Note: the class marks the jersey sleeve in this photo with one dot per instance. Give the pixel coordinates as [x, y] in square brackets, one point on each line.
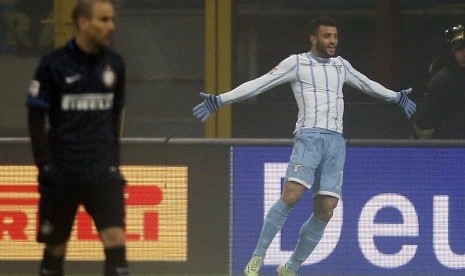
[41, 87]
[284, 72]
[358, 80]
[39, 137]
[38, 102]
[120, 88]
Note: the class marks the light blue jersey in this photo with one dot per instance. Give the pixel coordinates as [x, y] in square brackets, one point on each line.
[317, 86]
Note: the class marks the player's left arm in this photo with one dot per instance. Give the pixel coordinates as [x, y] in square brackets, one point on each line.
[358, 80]
[117, 113]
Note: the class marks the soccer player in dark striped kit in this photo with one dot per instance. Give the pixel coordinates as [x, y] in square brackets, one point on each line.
[79, 88]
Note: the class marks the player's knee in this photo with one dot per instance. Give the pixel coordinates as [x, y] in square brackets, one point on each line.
[112, 237]
[292, 193]
[324, 206]
[324, 212]
[56, 249]
[290, 199]
[324, 215]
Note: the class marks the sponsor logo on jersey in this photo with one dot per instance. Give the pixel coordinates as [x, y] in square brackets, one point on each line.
[338, 67]
[87, 102]
[310, 63]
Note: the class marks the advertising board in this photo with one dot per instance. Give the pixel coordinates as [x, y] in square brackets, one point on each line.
[156, 216]
[401, 212]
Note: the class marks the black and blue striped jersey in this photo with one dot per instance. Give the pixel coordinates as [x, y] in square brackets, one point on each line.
[82, 95]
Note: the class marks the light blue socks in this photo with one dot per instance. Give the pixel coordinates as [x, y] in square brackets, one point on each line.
[309, 236]
[273, 223]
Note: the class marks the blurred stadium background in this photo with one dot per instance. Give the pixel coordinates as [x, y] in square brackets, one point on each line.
[176, 48]
[164, 43]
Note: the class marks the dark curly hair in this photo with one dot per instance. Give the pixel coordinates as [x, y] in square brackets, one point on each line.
[321, 21]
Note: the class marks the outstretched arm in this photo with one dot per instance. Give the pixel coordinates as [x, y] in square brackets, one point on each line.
[372, 88]
[405, 103]
[284, 72]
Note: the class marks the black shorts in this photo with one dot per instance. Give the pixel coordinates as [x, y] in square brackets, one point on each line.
[60, 196]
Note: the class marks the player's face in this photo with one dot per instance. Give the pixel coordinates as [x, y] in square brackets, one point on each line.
[99, 28]
[325, 41]
[460, 57]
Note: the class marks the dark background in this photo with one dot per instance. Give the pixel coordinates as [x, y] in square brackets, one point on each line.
[162, 41]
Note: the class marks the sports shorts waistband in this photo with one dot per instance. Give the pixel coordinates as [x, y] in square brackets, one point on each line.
[317, 130]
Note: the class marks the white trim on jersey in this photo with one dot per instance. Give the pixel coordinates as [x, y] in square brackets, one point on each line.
[317, 86]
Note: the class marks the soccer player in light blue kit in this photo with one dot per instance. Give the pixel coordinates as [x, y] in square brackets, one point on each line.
[318, 155]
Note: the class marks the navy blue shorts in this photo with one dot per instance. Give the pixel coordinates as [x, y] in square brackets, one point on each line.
[60, 196]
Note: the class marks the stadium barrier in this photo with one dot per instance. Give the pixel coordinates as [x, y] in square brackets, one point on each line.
[196, 206]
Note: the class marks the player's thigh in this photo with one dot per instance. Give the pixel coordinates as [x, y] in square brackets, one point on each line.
[56, 216]
[103, 199]
[305, 158]
[332, 166]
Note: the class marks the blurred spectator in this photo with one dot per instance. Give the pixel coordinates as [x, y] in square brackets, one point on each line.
[442, 114]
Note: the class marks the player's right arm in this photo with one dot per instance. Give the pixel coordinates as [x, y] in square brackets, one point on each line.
[38, 103]
[39, 137]
[284, 72]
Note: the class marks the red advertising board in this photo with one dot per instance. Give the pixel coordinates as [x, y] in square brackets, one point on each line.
[156, 216]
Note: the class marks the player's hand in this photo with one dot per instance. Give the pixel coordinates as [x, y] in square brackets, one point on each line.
[210, 104]
[44, 175]
[407, 105]
[115, 176]
[49, 179]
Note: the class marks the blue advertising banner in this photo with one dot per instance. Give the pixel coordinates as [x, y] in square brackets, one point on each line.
[401, 213]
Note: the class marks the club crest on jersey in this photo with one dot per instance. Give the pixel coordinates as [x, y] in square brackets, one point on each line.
[297, 167]
[34, 88]
[338, 67]
[109, 77]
